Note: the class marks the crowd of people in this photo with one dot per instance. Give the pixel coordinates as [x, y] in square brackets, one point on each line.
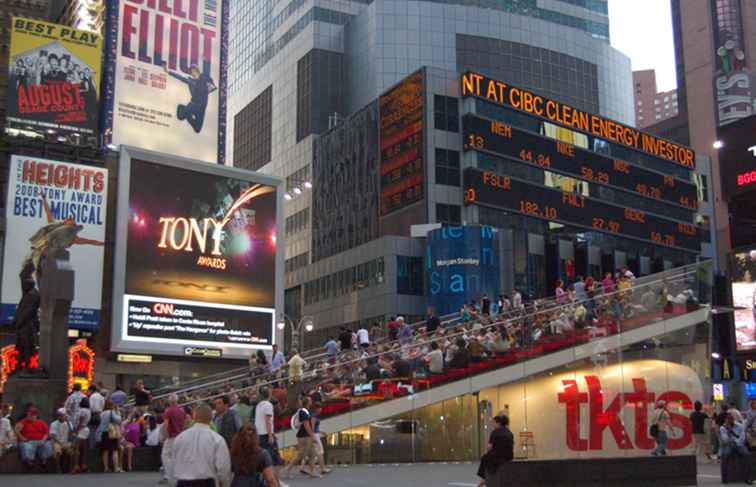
[232, 423]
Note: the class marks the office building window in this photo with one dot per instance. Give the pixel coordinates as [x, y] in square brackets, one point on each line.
[448, 214]
[447, 167]
[253, 132]
[409, 275]
[446, 113]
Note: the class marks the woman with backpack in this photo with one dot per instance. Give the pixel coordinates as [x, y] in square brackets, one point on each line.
[251, 465]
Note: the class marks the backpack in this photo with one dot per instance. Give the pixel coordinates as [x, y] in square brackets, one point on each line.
[295, 423]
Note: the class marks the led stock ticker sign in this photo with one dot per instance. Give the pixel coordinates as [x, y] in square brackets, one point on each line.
[501, 139]
[487, 188]
[500, 93]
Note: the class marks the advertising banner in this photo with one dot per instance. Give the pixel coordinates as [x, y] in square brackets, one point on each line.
[54, 78]
[200, 262]
[168, 76]
[462, 265]
[744, 299]
[55, 205]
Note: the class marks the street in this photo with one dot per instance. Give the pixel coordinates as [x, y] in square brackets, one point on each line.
[402, 475]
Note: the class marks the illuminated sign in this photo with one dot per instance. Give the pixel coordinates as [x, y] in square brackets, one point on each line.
[81, 362]
[203, 352]
[718, 392]
[737, 157]
[139, 359]
[401, 145]
[501, 139]
[474, 84]
[487, 188]
[743, 286]
[196, 260]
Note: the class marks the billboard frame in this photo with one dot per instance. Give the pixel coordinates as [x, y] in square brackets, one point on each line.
[172, 347]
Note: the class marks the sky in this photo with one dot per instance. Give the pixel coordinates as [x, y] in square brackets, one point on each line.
[642, 30]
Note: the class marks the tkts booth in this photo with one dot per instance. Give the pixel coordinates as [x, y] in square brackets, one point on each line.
[81, 361]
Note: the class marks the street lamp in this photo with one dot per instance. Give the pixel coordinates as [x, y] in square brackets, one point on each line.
[306, 323]
[718, 144]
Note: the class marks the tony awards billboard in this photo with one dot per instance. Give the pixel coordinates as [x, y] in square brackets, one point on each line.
[196, 258]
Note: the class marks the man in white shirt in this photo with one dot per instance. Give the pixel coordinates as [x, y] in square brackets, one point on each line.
[96, 400]
[435, 359]
[72, 402]
[296, 366]
[60, 436]
[264, 414]
[363, 337]
[200, 455]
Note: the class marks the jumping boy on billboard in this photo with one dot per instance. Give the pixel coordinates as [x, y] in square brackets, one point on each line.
[200, 86]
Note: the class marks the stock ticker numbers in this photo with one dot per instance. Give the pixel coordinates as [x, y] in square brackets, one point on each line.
[501, 139]
[504, 192]
[401, 144]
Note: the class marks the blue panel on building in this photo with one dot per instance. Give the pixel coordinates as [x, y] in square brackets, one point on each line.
[461, 264]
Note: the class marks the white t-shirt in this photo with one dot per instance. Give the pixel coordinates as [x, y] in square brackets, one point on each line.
[262, 411]
[363, 336]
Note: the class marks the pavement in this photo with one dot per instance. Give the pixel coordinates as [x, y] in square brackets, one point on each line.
[392, 475]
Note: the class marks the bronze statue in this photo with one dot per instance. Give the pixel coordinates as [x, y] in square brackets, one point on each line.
[26, 322]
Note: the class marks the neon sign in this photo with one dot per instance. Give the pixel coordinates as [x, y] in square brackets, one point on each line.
[81, 360]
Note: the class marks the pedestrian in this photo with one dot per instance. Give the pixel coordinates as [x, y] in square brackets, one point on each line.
[393, 328]
[318, 451]
[732, 446]
[251, 464]
[302, 423]
[33, 436]
[60, 438]
[243, 408]
[82, 432]
[405, 331]
[96, 403]
[142, 397]
[485, 305]
[432, 323]
[264, 426]
[200, 456]
[345, 339]
[118, 397]
[227, 422]
[376, 333]
[174, 420]
[331, 348]
[72, 402]
[561, 294]
[698, 420]
[109, 436]
[262, 362]
[733, 409]
[500, 449]
[277, 360]
[7, 436]
[296, 366]
[661, 421]
[363, 337]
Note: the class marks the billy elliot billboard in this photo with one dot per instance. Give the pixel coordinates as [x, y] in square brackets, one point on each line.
[52, 206]
[196, 259]
[167, 75]
[53, 78]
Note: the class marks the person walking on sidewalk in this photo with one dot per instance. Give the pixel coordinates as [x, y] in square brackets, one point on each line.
[200, 456]
[661, 421]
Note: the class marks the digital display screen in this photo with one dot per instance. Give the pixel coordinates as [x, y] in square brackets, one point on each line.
[401, 144]
[500, 191]
[502, 139]
[743, 272]
[200, 261]
[504, 94]
[737, 157]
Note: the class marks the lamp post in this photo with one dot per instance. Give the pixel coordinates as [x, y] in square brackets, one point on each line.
[297, 336]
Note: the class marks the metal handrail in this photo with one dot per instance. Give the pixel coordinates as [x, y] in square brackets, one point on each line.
[672, 274]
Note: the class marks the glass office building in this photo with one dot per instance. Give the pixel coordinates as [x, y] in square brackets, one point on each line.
[305, 81]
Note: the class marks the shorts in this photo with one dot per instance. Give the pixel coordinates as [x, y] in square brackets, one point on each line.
[272, 450]
[107, 444]
[318, 447]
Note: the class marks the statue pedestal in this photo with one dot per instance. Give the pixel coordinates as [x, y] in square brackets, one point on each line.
[46, 394]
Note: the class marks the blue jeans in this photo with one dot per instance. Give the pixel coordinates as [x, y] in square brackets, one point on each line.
[734, 453]
[31, 450]
[661, 444]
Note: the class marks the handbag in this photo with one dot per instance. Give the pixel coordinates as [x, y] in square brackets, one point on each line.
[114, 431]
[654, 430]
